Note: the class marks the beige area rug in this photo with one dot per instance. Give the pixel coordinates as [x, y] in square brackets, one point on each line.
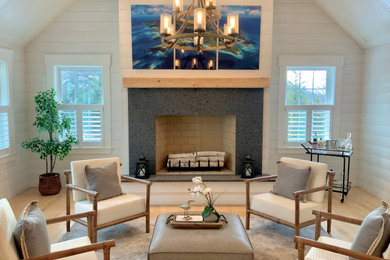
[270, 240]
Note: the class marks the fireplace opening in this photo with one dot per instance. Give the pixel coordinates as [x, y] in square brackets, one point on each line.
[189, 134]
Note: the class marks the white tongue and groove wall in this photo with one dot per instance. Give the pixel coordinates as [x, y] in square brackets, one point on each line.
[299, 27]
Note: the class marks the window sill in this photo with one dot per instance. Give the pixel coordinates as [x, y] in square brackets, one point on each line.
[291, 150]
[77, 151]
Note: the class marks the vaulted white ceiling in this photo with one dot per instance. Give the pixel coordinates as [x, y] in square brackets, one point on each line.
[367, 21]
[22, 20]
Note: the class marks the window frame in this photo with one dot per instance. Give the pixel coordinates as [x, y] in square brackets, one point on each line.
[301, 62]
[7, 57]
[53, 63]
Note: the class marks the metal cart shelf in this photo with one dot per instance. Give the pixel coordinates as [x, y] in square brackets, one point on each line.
[345, 185]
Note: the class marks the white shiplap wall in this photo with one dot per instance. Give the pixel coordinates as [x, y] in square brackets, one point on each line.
[13, 168]
[302, 28]
[86, 27]
[375, 127]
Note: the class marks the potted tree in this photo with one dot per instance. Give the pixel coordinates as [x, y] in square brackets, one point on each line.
[54, 140]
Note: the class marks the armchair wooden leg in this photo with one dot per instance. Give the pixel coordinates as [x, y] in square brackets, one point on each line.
[147, 223]
[301, 248]
[247, 218]
[67, 209]
[330, 197]
[297, 232]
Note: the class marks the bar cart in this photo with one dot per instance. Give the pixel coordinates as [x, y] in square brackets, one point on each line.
[344, 186]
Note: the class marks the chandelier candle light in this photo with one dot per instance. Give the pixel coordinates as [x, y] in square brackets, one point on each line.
[205, 21]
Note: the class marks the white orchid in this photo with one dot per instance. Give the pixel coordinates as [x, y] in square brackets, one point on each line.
[205, 191]
[202, 189]
[197, 180]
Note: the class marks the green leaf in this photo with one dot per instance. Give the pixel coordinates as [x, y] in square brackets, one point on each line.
[207, 211]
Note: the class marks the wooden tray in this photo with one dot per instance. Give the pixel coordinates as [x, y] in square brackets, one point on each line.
[193, 224]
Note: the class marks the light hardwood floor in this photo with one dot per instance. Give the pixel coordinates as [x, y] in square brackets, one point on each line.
[357, 204]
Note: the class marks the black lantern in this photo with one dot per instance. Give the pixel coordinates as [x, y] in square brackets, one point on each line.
[142, 169]
[248, 170]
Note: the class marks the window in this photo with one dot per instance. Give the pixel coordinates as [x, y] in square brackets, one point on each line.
[308, 95]
[309, 103]
[82, 87]
[5, 110]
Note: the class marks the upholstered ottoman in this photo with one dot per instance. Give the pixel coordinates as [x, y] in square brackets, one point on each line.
[231, 242]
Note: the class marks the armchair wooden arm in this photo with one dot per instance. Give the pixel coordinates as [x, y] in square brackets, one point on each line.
[262, 178]
[320, 215]
[302, 242]
[127, 178]
[303, 192]
[88, 214]
[89, 192]
[323, 214]
[106, 246]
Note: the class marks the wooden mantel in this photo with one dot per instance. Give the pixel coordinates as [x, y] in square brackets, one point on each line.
[144, 82]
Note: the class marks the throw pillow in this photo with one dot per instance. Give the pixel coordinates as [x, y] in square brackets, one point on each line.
[291, 179]
[103, 180]
[373, 235]
[31, 236]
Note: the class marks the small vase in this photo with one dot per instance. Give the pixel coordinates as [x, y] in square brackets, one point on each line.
[212, 215]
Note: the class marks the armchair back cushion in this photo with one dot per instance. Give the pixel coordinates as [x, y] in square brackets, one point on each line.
[104, 180]
[318, 175]
[290, 180]
[31, 233]
[7, 226]
[373, 235]
[78, 171]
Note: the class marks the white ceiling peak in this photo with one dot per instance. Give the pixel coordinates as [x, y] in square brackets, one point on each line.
[22, 20]
[367, 21]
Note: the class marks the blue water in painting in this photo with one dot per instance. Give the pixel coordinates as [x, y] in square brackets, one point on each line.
[149, 54]
[144, 38]
[249, 50]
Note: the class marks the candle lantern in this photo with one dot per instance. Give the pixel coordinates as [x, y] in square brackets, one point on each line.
[232, 21]
[199, 20]
[197, 40]
[165, 24]
[142, 168]
[211, 65]
[248, 169]
[177, 6]
[227, 31]
[177, 64]
[194, 63]
[210, 4]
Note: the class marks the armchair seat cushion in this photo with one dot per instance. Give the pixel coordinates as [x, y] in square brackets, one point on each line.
[77, 242]
[318, 254]
[282, 207]
[113, 208]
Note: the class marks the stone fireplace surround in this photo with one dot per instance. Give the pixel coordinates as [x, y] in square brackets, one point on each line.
[145, 104]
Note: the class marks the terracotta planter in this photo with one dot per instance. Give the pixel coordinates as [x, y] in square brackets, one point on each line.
[49, 184]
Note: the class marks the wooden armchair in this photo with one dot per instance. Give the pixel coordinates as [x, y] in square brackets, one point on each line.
[110, 211]
[79, 248]
[292, 213]
[326, 247]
